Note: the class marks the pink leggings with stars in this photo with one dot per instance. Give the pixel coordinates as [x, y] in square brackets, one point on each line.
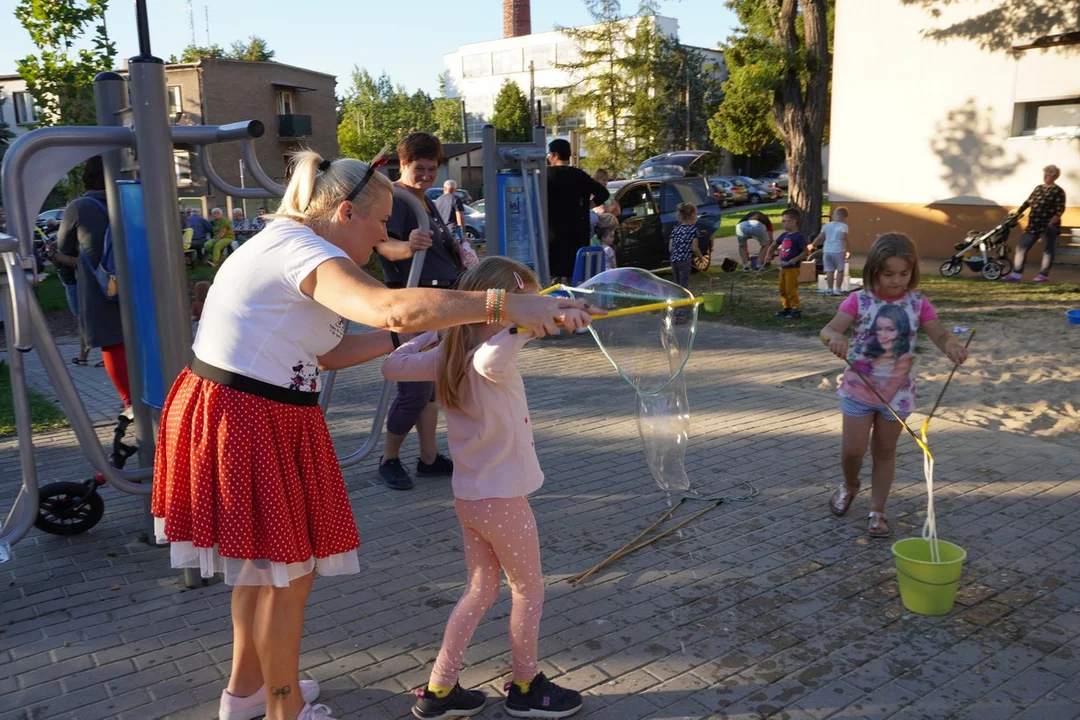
[500, 533]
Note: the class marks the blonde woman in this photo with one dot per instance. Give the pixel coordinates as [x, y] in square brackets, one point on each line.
[246, 481]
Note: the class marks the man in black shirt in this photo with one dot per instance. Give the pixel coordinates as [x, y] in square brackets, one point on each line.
[571, 194]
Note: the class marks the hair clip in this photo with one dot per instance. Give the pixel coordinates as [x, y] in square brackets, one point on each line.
[325, 165]
[521, 285]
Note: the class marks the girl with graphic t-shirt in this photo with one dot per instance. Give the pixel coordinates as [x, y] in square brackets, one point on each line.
[495, 469]
[885, 318]
[246, 480]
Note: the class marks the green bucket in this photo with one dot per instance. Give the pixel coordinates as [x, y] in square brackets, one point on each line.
[927, 587]
[713, 302]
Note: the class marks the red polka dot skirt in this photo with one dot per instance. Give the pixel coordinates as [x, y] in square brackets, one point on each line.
[249, 487]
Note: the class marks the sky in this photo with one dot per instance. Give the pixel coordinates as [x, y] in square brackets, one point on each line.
[373, 34]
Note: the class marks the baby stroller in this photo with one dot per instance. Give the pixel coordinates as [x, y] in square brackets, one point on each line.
[984, 252]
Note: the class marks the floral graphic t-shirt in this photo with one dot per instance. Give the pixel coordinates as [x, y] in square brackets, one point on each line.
[883, 347]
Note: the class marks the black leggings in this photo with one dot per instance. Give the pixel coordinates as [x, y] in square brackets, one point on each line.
[1049, 236]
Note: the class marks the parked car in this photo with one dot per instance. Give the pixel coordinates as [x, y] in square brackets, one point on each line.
[474, 223]
[724, 192]
[777, 191]
[780, 177]
[678, 163]
[755, 191]
[434, 193]
[56, 214]
[647, 216]
[738, 194]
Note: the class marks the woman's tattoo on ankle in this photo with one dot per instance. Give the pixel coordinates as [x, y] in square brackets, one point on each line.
[281, 692]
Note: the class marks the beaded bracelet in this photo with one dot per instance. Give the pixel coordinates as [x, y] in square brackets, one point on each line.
[493, 305]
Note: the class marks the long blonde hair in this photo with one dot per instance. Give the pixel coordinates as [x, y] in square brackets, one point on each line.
[313, 195]
[490, 273]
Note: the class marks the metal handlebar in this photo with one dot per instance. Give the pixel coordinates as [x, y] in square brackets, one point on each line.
[247, 147]
[20, 297]
[216, 180]
[372, 440]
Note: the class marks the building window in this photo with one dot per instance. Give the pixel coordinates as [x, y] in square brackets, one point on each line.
[506, 61]
[1051, 117]
[476, 65]
[176, 105]
[567, 53]
[182, 163]
[284, 102]
[541, 56]
[25, 112]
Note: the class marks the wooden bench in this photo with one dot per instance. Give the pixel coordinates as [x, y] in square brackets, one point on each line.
[1068, 246]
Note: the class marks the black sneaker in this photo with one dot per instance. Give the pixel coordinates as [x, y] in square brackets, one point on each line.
[459, 703]
[441, 467]
[783, 313]
[545, 699]
[794, 315]
[393, 473]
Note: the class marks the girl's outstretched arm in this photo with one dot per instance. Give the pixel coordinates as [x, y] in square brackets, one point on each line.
[410, 364]
[945, 340]
[834, 335]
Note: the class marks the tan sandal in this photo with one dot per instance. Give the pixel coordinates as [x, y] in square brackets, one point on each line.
[878, 525]
[841, 500]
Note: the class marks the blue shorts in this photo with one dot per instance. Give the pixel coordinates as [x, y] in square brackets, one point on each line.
[856, 408]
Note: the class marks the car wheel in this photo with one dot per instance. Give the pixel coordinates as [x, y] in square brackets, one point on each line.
[755, 199]
[471, 235]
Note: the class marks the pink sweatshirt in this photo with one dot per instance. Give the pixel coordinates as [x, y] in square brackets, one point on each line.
[491, 438]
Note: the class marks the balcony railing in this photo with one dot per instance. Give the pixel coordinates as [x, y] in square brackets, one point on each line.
[294, 126]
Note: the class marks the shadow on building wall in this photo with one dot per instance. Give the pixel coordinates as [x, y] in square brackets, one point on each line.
[1002, 26]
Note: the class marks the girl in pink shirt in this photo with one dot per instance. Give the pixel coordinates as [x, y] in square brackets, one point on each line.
[495, 468]
[885, 318]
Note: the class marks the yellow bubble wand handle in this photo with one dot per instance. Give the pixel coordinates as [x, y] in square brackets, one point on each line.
[648, 307]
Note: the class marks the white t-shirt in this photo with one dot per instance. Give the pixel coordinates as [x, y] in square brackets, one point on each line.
[834, 237]
[257, 323]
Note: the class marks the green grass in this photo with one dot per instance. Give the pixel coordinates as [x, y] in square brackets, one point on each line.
[43, 414]
[50, 293]
[731, 218]
[751, 300]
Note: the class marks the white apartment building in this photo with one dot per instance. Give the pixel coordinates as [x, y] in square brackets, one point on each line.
[18, 107]
[476, 72]
[942, 124]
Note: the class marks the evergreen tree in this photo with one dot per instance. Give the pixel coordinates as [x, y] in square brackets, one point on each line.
[194, 53]
[254, 50]
[511, 118]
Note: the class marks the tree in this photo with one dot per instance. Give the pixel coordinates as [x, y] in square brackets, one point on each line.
[375, 112]
[511, 118]
[598, 87]
[744, 123]
[783, 49]
[194, 53]
[447, 114]
[254, 50]
[62, 83]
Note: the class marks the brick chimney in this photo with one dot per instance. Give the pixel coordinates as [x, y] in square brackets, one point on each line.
[516, 18]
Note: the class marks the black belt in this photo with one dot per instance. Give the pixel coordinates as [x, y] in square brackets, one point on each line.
[441, 284]
[252, 386]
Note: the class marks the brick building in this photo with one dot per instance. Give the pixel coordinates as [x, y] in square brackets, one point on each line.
[297, 106]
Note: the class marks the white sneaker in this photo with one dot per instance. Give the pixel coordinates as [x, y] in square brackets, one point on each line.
[315, 712]
[254, 706]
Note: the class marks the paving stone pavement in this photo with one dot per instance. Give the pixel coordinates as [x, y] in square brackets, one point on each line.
[767, 609]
